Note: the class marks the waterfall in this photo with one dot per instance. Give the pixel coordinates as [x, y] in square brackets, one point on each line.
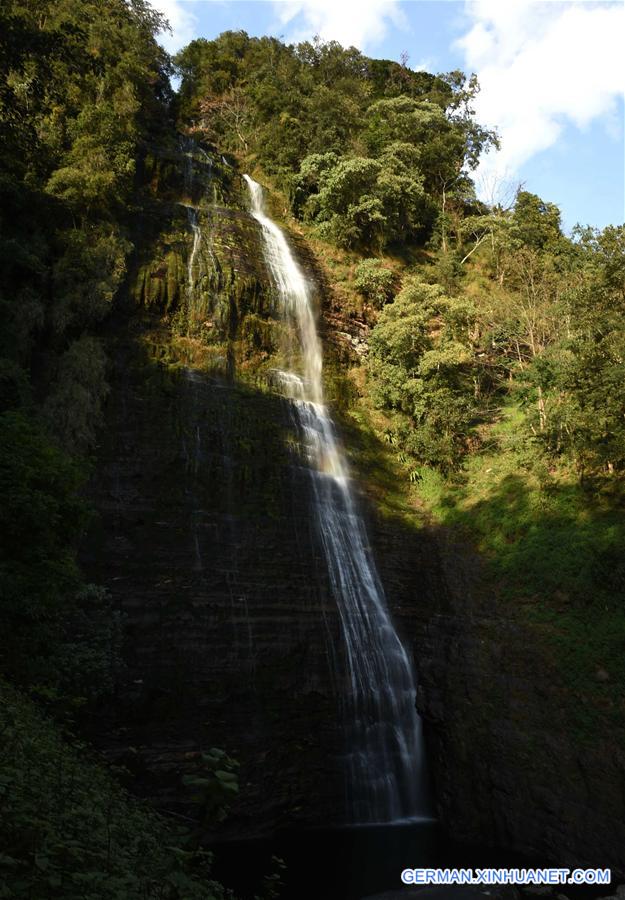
[194, 272]
[193, 448]
[385, 748]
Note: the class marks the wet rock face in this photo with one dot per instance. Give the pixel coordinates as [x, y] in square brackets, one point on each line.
[204, 535]
[511, 762]
[204, 540]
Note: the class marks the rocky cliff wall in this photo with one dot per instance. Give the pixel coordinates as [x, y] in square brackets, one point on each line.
[518, 759]
[205, 540]
[203, 532]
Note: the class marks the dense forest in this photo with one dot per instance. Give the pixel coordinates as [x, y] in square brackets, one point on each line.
[496, 343]
[376, 158]
[84, 89]
[492, 378]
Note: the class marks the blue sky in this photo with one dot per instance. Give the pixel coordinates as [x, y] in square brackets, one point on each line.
[552, 76]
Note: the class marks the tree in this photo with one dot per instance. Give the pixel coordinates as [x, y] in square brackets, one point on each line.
[363, 202]
[227, 113]
[41, 517]
[374, 281]
[591, 423]
[421, 366]
[537, 223]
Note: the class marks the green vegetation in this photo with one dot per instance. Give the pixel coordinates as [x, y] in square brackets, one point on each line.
[499, 393]
[41, 518]
[363, 202]
[70, 831]
[536, 320]
[497, 342]
[493, 379]
[421, 367]
[84, 93]
[375, 157]
[83, 89]
[374, 281]
[367, 150]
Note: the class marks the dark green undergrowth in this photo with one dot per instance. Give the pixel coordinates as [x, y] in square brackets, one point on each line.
[589, 646]
[551, 548]
[544, 533]
[70, 831]
[553, 556]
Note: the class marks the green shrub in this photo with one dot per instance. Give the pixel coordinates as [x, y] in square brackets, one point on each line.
[374, 281]
[41, 518]
[69, 831]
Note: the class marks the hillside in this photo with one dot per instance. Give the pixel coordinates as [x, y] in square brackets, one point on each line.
[166, 594]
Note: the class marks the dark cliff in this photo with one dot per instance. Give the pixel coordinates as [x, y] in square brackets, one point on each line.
[204, 539]
[512, 757]
[203, 533]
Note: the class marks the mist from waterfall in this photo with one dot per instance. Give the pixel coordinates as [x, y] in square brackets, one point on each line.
[384, 761]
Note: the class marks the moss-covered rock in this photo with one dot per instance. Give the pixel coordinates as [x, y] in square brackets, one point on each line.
[203, 274]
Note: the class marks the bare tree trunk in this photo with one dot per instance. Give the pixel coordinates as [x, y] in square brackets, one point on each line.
[542, 417]
[476, 245]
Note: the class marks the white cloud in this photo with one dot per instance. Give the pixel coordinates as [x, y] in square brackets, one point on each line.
[182, 20]
[351, 22]
[427, 64]
[541, 66]
[359, 23]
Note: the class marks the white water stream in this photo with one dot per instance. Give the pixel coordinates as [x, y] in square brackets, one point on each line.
[385, 747]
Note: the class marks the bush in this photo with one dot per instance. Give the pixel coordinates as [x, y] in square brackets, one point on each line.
[374, 281]
[41, 518]
[70, 831]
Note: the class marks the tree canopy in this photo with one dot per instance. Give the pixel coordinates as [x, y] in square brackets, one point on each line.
[364, 148]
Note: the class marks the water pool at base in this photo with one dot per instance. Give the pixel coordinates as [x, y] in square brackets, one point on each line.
[347, 863]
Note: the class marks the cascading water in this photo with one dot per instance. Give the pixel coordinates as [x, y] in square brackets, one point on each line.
[193, 448]
[385, 756]
[194, 272]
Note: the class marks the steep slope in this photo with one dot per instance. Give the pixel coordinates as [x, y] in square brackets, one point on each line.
[205, 540]
[204, 533]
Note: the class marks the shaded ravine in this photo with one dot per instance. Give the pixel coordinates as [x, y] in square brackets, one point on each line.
[384, 758]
